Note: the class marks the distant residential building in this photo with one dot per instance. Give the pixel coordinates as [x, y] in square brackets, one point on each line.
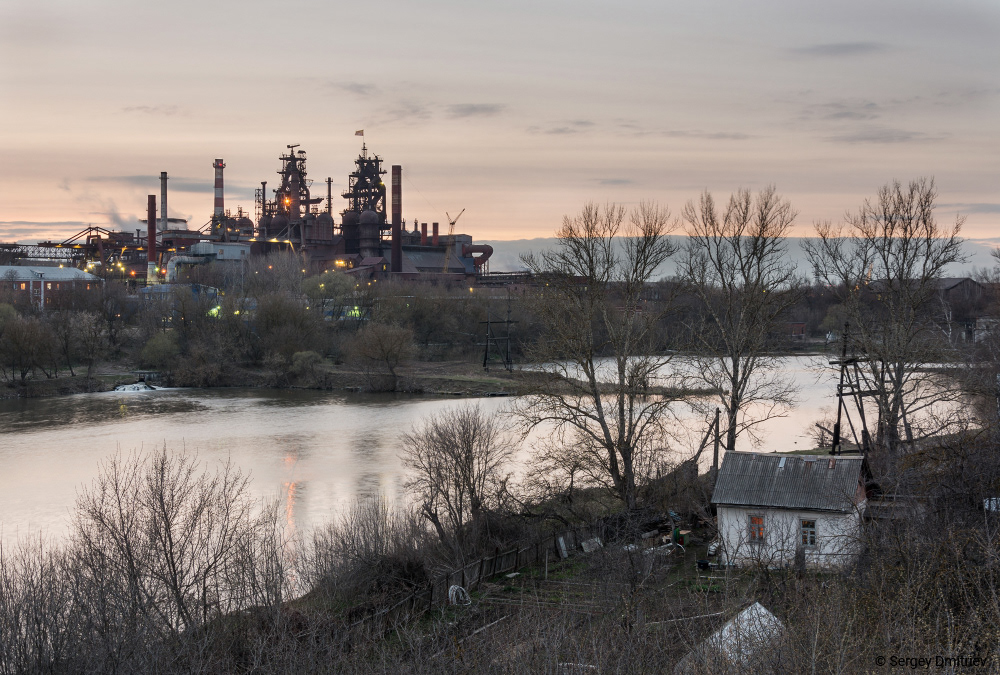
[777, 510]
[46, 287]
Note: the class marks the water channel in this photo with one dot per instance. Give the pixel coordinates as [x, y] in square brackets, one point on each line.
[314, 451]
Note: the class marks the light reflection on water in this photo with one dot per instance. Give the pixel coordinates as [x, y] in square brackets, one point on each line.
[311, 451]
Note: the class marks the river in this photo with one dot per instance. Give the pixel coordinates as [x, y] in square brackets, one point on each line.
[313, 451]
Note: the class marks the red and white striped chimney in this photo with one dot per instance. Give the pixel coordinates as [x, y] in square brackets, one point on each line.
[219, 201]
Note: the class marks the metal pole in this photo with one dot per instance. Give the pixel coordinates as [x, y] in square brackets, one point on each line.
[715, 452]
[835, 447]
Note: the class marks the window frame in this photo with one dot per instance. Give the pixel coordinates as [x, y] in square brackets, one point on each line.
[757, 531]
[806, 533]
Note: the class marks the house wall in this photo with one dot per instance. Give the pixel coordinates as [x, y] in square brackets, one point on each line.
[837, 536]
[46, 294]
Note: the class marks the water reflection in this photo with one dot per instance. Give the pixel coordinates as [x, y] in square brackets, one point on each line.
[310, 451]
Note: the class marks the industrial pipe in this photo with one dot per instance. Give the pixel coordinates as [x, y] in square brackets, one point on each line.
[219, 202]
[183, 260]
[485, 249]
[151, 240]
[397, 218]
[163, 201]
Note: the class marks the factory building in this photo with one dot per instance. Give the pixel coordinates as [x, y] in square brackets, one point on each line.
[371, 239]
[44, 287]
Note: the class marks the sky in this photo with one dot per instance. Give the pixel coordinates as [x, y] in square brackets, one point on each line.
[518, 112]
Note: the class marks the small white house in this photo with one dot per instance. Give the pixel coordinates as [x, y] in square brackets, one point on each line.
[779, 510]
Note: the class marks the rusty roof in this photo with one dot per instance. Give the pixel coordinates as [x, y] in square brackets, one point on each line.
[816, 483]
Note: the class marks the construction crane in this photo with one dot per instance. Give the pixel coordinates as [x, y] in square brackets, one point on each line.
[451, 238]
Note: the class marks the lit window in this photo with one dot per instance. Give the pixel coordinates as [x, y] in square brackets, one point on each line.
[756, 529]
[24, 286]
[808, 530]
[48, 286]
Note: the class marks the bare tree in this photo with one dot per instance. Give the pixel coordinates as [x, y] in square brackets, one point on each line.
[176, 545]
[89, 328]
[458, 462]
[380, 348]
[594, 305]
[736, 265]
[885, 262]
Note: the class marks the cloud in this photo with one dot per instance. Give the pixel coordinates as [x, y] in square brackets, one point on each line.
[980, 207]
[459, 110]
[724, 136]
[28, 229]
[882, 135]
[175, 184]
[136, 180]
[616, 181]
[167, 110]
[407, 111]
[844, 110]
[708, 135]
[564, 127]
[357, 88]
[838, 49]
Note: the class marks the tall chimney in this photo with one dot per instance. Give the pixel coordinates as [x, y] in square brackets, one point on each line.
[151, 240]
[219, 202]
[435, 240]
[163, 201]
[423, 234]
[397, 217]
[329, 195]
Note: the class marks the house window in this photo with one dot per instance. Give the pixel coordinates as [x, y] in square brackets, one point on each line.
[48, 285]
[756, 529]
[24, 286]
[808, 531]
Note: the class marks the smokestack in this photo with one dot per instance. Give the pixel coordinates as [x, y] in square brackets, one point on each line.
[329, 195]
[435, 240]
[219, 202]
[397, 217]
[151, 240]
[423, 234]
[163, 201]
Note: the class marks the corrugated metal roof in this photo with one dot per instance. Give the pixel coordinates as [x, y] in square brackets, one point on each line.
[20, 273]
[788, 481]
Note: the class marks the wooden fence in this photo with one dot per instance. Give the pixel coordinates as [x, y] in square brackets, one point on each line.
[474, 574]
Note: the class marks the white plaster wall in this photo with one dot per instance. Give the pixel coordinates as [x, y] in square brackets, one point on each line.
[837, 536]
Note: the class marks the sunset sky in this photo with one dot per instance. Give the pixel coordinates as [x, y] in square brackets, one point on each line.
[518, 112]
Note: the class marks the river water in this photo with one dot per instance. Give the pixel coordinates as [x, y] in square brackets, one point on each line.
[313, 451]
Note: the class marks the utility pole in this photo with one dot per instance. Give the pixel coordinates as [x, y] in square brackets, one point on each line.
[501, 343]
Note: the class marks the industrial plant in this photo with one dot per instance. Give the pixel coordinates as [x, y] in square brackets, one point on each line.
[370, 241]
